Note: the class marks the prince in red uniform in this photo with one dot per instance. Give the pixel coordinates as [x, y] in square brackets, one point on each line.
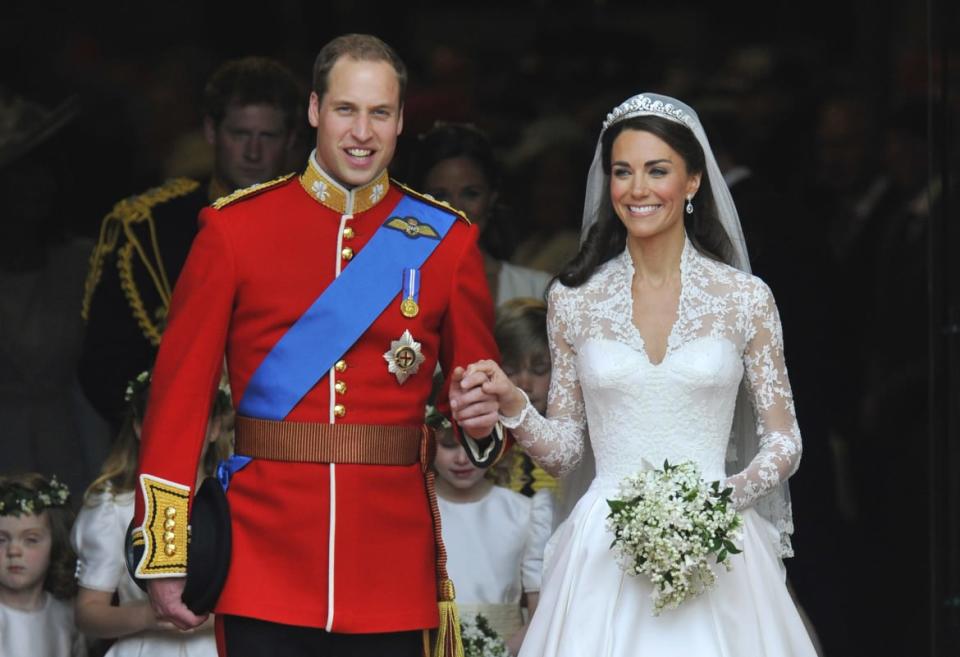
[334, 295]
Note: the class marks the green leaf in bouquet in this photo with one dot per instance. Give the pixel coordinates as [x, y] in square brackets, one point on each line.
[616, 506]
[721, 556]
[731, 547]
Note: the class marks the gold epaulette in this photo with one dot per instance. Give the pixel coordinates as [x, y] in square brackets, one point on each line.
[250, 191]
[132, 210]
[165, 528]
[432, 201]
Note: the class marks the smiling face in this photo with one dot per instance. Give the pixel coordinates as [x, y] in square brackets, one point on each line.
[357, 120]
[649, 184]
[461, 182]
[25, 544]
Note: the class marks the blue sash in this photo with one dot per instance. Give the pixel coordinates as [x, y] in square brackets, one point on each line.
[345, 309]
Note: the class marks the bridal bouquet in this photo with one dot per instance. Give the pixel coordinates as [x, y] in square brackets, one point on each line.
[481, 640]
[670, 525]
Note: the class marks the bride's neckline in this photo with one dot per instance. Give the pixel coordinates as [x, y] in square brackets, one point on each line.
[686, 256]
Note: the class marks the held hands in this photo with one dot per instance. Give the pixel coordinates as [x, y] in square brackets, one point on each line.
[165, 598]
[480, 390]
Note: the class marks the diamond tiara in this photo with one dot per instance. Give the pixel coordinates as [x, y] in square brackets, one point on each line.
[641, 105]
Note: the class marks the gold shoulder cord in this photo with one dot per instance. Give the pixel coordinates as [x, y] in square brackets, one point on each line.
[123, 217]
[432, 201]
[244, 192]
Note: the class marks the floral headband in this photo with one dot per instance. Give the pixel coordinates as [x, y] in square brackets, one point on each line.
[17, 499]
[142, 381]
[436, 419]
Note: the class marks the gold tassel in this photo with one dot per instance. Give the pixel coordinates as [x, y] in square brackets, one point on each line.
[449, 642]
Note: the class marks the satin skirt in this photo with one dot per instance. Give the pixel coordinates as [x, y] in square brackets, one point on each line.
[589, 606]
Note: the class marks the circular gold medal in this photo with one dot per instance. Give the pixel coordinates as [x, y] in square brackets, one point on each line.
[409, 308]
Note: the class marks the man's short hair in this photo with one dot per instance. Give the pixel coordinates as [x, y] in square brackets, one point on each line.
[362, 47]
[254, 81]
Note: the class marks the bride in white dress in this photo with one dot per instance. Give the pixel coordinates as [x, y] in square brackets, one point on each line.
[654, 329]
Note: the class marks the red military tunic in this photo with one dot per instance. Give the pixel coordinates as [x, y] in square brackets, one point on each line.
[348, 548]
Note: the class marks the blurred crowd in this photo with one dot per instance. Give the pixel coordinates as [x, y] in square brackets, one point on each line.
[830, 175]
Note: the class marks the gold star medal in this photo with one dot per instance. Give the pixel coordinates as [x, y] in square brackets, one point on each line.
[409, 307]
[404, 357]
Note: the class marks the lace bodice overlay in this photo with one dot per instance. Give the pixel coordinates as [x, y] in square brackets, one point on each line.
[682, 408]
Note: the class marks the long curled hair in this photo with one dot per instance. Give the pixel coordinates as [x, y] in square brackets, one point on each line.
[607, 237]
[119, 472]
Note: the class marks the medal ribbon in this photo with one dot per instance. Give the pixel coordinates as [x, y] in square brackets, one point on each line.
[343, 312]
[411, 285]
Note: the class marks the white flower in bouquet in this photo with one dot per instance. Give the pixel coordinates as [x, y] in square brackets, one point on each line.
[481, 640]
[672, 526]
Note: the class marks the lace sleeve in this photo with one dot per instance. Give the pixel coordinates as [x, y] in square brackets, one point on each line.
[779, 436]
[555, 442]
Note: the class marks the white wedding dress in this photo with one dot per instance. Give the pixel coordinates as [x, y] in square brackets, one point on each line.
[679, 409]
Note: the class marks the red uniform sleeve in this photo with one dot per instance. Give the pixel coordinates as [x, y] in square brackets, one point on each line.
[182, 389]
[467, 336]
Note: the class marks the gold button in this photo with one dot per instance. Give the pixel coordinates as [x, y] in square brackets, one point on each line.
[341, 366]
[170, 512]
[169, 537]
[170, 524]
[340, 387]
[347, 253]
[348, 233]
[170, 549]
[339, 410]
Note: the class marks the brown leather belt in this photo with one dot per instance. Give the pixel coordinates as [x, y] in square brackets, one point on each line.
[313, 442]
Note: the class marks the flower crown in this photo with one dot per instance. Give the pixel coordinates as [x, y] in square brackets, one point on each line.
[17, 499]
[642, 105]
[435, 419]
[142, 382]
[136, 385]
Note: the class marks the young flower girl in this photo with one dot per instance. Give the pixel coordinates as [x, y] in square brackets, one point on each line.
[36, 569]
[98, 537]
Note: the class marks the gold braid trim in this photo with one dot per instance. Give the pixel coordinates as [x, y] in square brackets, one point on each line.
[252, 190]
[151, 331]
[107, 242]
[447, 641]
[165, 528]
[432, 201]
[121, 219]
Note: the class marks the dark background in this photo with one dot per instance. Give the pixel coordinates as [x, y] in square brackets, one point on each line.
[826, 102]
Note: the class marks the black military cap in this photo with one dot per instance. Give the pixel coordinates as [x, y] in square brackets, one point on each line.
[208, 548]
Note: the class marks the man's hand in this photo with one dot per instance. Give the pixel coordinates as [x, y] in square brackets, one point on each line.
[479, 393]
[473, 409]
[165, 598]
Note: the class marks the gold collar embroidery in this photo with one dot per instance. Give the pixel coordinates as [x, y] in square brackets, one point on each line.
[335, 196]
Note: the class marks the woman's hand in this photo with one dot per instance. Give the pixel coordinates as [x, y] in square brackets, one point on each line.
[488, 376]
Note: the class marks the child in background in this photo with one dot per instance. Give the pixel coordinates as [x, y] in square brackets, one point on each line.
[521, 335]
[36, 569]
[494, 537]
[98, 538]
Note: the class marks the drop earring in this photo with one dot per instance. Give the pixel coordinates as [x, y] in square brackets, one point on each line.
[689, 205]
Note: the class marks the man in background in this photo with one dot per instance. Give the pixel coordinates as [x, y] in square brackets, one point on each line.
[251, 114]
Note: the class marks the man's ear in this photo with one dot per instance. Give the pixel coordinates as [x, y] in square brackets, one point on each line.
[313, 109]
